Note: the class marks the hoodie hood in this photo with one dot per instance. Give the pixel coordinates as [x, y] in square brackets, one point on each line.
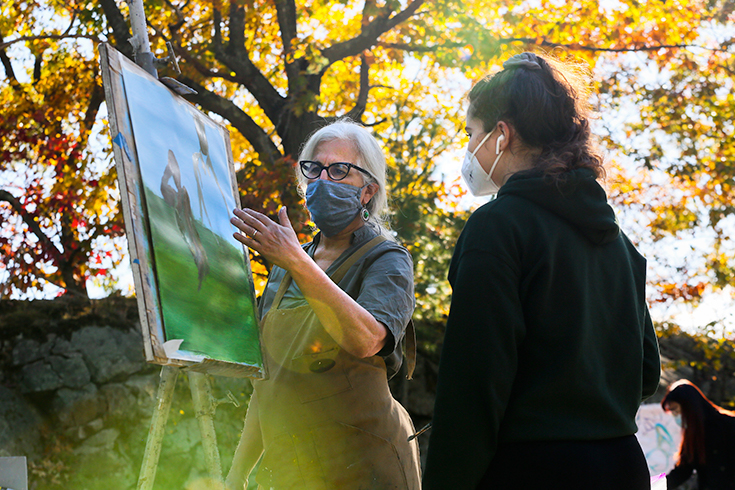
[578, 199]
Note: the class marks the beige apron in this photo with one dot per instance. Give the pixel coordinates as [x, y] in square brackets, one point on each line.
[327, 418]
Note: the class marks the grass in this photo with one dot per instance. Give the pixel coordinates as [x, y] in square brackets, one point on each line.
[218, 321]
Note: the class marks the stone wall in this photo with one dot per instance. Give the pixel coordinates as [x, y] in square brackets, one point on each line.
[76, 398]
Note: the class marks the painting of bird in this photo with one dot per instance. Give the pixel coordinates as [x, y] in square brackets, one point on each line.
[177, 197]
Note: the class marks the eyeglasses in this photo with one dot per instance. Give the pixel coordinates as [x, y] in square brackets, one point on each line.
[336, 171]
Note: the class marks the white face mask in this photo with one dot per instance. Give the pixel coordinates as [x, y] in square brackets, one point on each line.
[479, 182]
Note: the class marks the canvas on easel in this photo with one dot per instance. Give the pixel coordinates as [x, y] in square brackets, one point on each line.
[177, 183]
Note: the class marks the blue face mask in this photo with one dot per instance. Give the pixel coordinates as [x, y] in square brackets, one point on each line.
[677, 419]
[333, 205]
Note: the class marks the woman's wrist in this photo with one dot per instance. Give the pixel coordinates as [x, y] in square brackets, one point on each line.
[301, 264]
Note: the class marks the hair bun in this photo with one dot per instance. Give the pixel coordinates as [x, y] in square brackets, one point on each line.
[523, 60]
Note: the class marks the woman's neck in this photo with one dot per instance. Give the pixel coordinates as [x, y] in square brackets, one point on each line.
[330, 248]
[335, 243]
[519, 160]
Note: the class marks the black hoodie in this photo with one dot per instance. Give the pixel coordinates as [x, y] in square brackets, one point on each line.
[548, 337]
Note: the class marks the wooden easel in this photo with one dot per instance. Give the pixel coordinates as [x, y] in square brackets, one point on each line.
[204, 406]
[136, 230]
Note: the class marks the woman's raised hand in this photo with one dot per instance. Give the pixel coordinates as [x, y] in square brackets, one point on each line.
[276, 242]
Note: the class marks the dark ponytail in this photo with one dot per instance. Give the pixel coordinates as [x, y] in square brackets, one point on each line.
[545, 101]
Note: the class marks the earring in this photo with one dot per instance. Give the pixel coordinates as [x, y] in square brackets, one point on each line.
[364, 214]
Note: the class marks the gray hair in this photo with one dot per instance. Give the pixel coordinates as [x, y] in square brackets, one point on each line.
[370, 157]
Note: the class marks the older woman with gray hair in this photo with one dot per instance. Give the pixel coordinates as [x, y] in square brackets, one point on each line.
[333, 315]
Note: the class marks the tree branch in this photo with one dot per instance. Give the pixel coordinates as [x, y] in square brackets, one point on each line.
[210, 101]
[180, 18]
[237, 58]
[120, 30]
[5, 44]
[286, 14]
[236, 25]
[419, 49]
[71, 23]
[581, 47]
[192, 60]
[248, 75]
[37, 68]
[428, 49]
[37, 271]
[370, 33]
[199, 67]
[217, 20]
[9, 72]
[32, 224]
[95, 100]
[362, 97]
[65, 35]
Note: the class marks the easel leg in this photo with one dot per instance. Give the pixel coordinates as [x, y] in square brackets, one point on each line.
[158, 424]
[201, 393]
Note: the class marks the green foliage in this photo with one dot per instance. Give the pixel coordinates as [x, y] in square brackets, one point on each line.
[708, 356]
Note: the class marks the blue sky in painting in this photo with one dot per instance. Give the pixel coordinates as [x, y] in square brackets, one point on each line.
[163, 121]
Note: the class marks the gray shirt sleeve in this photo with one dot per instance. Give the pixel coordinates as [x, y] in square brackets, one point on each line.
[387, 293]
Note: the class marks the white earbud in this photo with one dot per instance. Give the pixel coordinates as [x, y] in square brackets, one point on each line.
[497, 143]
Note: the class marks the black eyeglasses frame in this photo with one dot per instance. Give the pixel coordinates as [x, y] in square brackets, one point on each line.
[323, 167]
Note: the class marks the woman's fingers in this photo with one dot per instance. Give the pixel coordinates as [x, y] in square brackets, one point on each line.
[245, 230]
[277, 242]
[246, 240]
[259, 217]
[283, 218]
[247, 223]
[259, 232]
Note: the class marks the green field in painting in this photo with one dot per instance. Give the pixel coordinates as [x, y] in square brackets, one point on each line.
[218, 321]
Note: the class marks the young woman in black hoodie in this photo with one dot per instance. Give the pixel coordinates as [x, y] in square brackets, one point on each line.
[549, 348]
[708, 442]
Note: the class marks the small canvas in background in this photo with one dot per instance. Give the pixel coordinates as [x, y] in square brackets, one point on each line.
[659, 437]
[14, 473]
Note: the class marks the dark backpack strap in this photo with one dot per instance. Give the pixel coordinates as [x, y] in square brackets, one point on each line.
[409, 349]
[356, 255]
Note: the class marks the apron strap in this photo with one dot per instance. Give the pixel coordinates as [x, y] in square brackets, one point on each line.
[285, 282]
[336, 276]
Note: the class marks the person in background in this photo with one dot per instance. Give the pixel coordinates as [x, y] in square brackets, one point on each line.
[549, 347]
[333, 315]
[708, 439]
